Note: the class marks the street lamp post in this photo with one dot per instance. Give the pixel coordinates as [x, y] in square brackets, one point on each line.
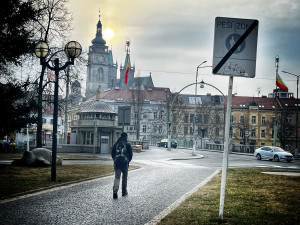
[202, 83]
[72, 50]
[194, 124]
[297, 111]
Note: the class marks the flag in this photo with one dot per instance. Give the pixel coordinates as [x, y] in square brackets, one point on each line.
[280, 84]
[126, 73]
[51, 76]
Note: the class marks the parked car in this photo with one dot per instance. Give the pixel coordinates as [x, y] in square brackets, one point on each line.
[272, 153]
[164, 143]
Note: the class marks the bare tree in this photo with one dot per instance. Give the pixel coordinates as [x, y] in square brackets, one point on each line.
[51, 26]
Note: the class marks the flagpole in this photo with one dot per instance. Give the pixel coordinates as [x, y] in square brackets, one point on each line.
[275, 119]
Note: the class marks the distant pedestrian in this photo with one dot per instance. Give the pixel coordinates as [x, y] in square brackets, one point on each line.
[122, 155]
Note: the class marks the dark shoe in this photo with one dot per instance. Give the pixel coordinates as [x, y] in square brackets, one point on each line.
[125, 193]
[115, 195]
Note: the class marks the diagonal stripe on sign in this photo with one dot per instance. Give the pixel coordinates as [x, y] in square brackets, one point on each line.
[237, 44]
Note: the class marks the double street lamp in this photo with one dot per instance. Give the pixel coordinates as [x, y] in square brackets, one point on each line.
[72, 50]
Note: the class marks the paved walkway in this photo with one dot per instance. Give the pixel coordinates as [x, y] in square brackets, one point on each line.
[152, 189]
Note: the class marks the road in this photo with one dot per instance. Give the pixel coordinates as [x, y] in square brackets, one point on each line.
[163, 178]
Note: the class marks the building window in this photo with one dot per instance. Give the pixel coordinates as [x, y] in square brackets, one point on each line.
[87, 138]
[145, 116]
[144, 129]
[191, 130]
[253, 133]
[263, 120]
[263, 133]
[217, 132]
[160, 129]
[241, 132]
[206, 116]
[253, 119]
[242, 119]
[191, 118]
[186, 130]
[262, 144]
[155, 115]
[186, 117]
[197, 118]
[161, 115]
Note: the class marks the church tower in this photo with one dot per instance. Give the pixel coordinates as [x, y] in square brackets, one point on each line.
[101, 70]
[131, 69]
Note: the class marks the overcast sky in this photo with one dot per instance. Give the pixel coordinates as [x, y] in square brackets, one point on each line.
[170, 38]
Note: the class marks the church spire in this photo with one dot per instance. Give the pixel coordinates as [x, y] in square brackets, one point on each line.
[99, 38]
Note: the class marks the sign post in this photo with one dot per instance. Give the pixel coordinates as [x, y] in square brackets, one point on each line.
[234, 54]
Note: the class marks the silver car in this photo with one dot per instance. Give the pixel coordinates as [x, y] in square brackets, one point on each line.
[272, 153]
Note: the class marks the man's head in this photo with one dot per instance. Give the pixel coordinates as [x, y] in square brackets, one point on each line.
[124, 135]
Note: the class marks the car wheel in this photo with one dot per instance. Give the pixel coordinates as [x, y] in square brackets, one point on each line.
[276, 158]
[166, 145]
[258, 156]
[289, 160]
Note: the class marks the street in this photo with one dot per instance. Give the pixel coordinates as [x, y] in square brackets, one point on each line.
[164, 177]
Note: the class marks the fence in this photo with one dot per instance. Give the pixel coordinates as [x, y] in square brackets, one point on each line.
[233, 147]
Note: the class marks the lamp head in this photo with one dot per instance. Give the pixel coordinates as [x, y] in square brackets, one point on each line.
[41, 49]
[73, 49]
[201, 84]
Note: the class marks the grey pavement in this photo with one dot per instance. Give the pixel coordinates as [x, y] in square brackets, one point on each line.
[160, 182]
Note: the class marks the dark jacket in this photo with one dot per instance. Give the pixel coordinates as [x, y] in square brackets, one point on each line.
[128, 152]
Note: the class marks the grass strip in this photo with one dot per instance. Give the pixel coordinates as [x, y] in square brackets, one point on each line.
[251, 198]
[19, 155]
[16, 180]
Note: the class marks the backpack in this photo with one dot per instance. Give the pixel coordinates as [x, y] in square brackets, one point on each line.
[121, 159]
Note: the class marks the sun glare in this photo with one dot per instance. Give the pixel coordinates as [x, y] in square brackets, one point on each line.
[108, 34]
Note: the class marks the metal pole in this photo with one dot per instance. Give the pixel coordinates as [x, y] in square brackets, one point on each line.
[27, 138]
[95, 133]
[55, 115]
[226, 146]
[275, 119]
[66, 107]
[296, 150]
[194, 128]
[194, 122]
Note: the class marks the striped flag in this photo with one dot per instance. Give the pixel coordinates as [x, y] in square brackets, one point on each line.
[126, 73]
[280, 84]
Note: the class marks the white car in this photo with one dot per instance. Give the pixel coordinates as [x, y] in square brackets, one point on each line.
[272, 153]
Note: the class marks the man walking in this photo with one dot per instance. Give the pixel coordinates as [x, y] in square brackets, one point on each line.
[122, 155]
